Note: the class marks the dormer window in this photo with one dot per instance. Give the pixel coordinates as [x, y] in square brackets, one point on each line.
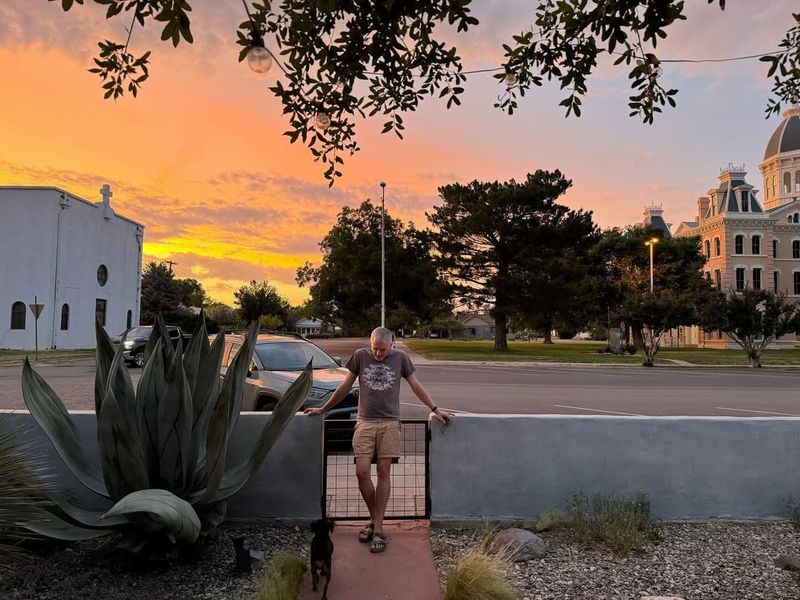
[745, 201]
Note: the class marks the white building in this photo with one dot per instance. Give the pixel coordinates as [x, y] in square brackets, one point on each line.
[78, 259]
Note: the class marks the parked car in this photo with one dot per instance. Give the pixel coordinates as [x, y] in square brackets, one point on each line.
[136, 340]
[277, 361]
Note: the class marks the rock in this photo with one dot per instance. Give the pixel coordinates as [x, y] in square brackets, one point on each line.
[521, 544]
[788, 562]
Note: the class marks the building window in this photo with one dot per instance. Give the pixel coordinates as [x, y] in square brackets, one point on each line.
[797, 283]
[64, 317]
[756, 244]
[796, 218]
[738, 244]
[708, 249]
[774, 248]
[100, 311]
[129, 320]
[718, 279]
[787, 183]
[796, 249]
[775, 281]
[102, 275]
[756, 279]
[797, 181]
[739, 279]
[18, 315]
[745, 201]
[708, 276]
[773, 186]
[717, 248]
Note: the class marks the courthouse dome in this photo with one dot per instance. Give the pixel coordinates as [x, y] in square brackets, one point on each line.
[787, 136]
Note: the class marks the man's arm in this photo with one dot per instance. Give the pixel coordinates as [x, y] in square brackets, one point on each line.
[423, 396]
[338, 396]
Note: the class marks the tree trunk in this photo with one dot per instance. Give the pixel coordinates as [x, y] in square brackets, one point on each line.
[548, 335]
[500, 328]
[754, 358]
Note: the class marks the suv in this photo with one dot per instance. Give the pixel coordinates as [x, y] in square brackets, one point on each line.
[136, 341]
[277, 361]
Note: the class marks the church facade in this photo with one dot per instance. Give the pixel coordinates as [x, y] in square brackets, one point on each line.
[78, 260]
[747, 242]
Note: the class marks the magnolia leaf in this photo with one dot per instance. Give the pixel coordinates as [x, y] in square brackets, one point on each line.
[175, 517]
[120, 446]
[294, 398]
[51, 415]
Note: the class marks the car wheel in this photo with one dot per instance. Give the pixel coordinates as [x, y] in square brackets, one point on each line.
[138, 359]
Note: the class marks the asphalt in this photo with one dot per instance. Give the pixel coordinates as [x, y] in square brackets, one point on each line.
[405, 571]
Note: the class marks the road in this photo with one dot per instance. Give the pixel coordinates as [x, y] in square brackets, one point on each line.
[519, 389]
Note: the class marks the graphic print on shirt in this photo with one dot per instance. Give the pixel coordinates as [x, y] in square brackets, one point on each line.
[379, 376]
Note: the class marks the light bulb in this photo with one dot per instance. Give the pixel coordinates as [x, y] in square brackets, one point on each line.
[322, 121]
[259, 59]
[510, 79]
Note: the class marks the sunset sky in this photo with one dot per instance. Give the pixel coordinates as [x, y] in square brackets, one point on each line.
[199, 158]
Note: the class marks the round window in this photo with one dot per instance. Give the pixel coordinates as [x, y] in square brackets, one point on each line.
[102, 275]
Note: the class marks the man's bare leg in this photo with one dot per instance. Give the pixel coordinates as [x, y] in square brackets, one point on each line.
[365, 486]
[382, 492]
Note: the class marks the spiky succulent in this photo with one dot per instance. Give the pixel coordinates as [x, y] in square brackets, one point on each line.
[163, 447]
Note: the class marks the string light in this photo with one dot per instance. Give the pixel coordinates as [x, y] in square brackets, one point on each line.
[322, 121]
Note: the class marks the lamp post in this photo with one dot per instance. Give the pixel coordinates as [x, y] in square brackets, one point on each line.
[383, 255]
[651, 242]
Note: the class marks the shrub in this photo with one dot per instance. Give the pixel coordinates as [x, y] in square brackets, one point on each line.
[793, 512]
[281, 578]
[620, 524]
[163, 448]
[480, 574]
[552, 519]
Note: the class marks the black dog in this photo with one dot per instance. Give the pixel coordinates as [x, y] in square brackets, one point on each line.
[321, 554]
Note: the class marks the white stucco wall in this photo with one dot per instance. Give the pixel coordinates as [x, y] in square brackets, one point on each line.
[56, 259]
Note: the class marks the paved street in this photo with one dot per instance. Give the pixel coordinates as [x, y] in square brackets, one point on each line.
[522, 389]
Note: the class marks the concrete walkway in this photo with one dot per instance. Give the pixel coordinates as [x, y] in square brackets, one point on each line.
[405, 571]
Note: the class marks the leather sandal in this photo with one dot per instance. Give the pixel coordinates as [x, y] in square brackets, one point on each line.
[378, 543]
[365, 535]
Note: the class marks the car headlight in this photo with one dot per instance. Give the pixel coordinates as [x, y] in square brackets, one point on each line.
[318, 392]
[127, 344]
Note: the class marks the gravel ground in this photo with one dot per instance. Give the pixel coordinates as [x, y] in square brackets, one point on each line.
[94, 570]
[697, 561]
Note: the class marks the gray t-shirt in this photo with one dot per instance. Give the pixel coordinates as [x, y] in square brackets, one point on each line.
[379, 382]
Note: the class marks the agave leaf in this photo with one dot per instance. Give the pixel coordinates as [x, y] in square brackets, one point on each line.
[49, 412]
[193, 354]
[216, 447]
[53, 527]
[175, 428]
[233, 386]
[159, 333]
[203, 402]
[119, 381]
[152, 389]
[175, 516]
[104, 356]
[81, 517]
[121, 454]
[236, 477]
[213, 515]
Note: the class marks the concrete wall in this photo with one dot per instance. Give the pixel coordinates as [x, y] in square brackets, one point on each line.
[288, 484]
[515, 466]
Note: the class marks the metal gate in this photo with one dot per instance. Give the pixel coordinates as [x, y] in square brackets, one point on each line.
[410, 497]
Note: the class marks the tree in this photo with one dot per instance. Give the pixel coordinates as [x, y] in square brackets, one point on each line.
[751, 318]
[161, 294]
[658, 312]
[328, 47]
[223, 315]
[192, 293]
[259, 298]
[346, 287]
[489, 235]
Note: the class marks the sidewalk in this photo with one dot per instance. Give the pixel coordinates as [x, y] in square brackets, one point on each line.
[405, 571]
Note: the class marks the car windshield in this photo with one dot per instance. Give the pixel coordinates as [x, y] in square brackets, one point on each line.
[139, 332]
[292, 356]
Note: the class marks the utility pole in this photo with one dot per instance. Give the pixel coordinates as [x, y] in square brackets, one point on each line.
[383, 255]
[170, 263]
[651, 243]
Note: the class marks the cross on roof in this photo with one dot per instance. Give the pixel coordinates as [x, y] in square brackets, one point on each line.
[106, 192]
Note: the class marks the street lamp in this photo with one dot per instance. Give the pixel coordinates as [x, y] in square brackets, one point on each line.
[651, 242]
[383, 255]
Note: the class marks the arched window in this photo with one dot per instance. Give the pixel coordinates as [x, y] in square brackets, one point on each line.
[18, 315]
[738, 244]
[717, 249]
[129, 320]
[797, 217]
[756, 244]
[102, 275]
[787, 183]
[64, 317]
[708, 249]
[796, 249]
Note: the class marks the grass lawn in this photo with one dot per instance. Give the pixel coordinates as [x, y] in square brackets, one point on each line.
[12, 358]
[586, 352]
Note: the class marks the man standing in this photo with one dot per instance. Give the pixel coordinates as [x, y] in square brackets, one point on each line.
[379, 369]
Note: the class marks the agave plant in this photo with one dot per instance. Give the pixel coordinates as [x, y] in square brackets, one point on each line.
[163, 447]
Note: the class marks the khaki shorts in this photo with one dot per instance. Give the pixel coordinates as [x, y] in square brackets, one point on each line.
[374, 438]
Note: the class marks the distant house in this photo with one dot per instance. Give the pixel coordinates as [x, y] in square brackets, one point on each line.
[80, 260]
[313, 327]
[477, 326]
